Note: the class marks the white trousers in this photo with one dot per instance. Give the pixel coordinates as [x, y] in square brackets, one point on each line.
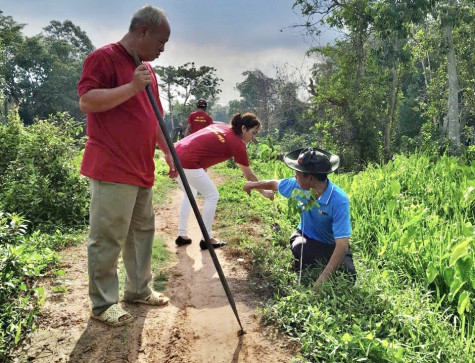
[199, 182]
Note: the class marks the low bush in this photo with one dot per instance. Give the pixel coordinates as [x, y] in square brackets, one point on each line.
[414, 248]
[39, 178]
[21, 263]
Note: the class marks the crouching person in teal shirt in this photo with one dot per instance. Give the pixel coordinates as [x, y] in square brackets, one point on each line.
[323, 234]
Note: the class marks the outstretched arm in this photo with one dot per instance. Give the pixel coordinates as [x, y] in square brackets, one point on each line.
[252, 178]
[262, 184]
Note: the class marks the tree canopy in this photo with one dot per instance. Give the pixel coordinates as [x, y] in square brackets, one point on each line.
[41, 72]
[400, 71]
[185, 84]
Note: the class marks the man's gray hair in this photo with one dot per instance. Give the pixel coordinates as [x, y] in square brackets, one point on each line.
[148, 15]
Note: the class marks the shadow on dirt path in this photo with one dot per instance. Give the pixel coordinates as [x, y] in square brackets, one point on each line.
[198, 325]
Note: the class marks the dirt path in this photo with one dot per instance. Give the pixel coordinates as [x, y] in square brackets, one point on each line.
[198, 325]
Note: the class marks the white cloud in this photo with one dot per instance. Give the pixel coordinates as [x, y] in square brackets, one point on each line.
[232, 36]
[231, 62]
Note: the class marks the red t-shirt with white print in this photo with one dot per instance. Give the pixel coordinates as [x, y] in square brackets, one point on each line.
[199, 120]
[210, 146]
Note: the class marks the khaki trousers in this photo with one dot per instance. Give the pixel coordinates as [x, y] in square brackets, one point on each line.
[121, 220]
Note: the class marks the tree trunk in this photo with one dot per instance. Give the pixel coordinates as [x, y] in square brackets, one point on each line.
[170, 106]
[5, 109]
[388, 132]
[453, 123]
[391, 110]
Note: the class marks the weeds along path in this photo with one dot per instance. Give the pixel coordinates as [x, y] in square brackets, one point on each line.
[198, 325]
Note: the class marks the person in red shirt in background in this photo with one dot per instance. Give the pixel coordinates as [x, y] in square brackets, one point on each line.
[119, 160]
[198, 119]
[207, 147]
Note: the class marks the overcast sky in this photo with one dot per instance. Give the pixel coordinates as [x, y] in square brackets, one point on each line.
[231, 35]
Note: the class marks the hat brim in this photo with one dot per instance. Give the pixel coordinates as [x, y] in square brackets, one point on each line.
[291, 158]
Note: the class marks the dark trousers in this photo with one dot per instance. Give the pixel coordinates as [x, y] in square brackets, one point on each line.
[316, 252]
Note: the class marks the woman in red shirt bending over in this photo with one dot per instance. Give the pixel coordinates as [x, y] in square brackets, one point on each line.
[207, 147]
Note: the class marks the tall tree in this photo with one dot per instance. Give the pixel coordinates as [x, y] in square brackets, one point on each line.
[452, 126]
[258, 94]
[187, 83]
[289, 110]
[66, 33]
[167, 77]
[444, 47]
[350, 87]
[41, 72]
[10, 38]
[392, 21]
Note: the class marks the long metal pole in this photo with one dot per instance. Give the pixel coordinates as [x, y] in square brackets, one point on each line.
[191, 197]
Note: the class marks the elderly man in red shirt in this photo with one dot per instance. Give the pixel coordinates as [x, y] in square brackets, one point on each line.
[119, 160]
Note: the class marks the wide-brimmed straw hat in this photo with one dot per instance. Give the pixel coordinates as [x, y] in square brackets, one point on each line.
[312, 160]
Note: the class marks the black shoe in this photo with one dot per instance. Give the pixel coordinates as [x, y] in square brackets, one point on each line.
[204, 246]
[180, 241]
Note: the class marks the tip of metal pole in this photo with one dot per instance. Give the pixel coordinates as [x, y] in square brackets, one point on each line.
[240, 333]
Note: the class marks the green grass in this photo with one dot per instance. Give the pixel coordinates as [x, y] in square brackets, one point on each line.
[413, 244]
[160, 256]
[24, 260]
[163, 184]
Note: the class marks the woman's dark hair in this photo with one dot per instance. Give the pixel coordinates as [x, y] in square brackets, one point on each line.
[248, 120]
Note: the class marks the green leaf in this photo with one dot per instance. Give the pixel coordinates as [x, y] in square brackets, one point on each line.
[455, 288]
[464, 302]
[346, 338]
[61, 288]
[469, 195]
[414, 219]
[40, 291]
[391, 205]
[18, 334]
[449, 276]
[468, 230]
[464, 267]
[431, 272]
[459, 251]
[60, 273]
[395, 187]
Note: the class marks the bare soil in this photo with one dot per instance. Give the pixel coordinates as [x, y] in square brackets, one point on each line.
[198, 324]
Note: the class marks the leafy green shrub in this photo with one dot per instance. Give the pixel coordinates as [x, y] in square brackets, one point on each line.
[378, 320]
[470, 154]
[40, 179]
[10, 134]
[414, 247]
[12, 227]
[417, 215]
[22, 260]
